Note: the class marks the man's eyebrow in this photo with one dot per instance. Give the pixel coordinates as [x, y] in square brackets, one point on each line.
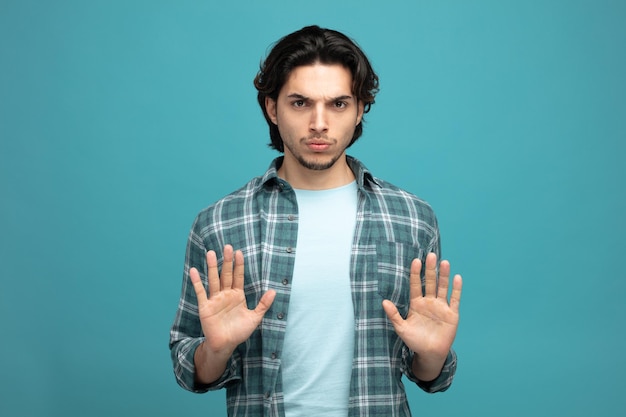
[338, 98]
[298, 96]
[344, 97]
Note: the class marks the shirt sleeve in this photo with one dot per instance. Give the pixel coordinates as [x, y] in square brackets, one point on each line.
[186, 332]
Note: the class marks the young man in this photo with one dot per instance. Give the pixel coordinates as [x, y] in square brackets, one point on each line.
[323, 283]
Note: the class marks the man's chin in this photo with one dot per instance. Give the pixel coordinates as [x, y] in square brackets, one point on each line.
[319, 164]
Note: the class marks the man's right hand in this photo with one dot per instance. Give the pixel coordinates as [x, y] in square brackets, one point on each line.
[224, 314]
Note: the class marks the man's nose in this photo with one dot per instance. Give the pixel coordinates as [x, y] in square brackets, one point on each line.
[319, 120]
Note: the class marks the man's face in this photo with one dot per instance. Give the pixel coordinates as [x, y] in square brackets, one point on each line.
[316, 114]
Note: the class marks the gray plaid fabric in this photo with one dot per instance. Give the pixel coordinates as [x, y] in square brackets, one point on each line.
[261, 219]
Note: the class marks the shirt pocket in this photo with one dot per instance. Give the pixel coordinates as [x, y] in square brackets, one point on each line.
[393, 272]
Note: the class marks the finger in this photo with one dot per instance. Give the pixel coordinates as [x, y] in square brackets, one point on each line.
[415, 283]
[392, 313]
[226, 278]
[455, 298]
[431, 275]
[238, 271]
[442, 283]
[212, 273]
[265, 302]
[196, 281]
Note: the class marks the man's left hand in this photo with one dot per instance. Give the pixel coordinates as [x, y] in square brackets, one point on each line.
[431, 323]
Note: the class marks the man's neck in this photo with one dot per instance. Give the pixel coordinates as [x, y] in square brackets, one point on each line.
[303, 178]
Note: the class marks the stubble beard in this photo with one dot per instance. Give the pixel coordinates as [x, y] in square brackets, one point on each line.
[317, 166]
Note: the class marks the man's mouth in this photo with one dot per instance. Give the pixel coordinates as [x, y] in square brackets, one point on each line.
[318, 144]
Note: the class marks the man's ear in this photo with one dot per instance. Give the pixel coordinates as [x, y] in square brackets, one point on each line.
[270, 108]
[359, 115]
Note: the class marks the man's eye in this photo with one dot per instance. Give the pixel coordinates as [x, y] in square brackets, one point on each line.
[340, 104]
[298, 103]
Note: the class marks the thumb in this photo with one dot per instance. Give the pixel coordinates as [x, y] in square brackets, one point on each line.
[265, 303]
[392, 313]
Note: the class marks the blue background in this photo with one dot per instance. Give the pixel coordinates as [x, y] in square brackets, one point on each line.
[120, 120]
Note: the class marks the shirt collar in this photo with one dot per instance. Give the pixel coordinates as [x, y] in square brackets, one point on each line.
[364, 178]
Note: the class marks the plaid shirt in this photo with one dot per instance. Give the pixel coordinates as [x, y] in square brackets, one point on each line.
[392, 228]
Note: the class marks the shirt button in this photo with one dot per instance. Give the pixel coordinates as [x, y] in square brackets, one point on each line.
[273, 355]
[280, 316]
[285, 281]
[291, 217]
[289, 249]
[267, 395]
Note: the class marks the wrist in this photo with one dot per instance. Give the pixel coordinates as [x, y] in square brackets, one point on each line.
[427, 368]
[210, 364]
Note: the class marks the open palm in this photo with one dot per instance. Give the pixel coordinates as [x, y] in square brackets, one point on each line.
[431, 323]
[225, 317]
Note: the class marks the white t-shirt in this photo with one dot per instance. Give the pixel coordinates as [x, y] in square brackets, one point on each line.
[319, 340]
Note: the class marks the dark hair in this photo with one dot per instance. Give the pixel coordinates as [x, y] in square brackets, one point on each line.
[307, 46]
